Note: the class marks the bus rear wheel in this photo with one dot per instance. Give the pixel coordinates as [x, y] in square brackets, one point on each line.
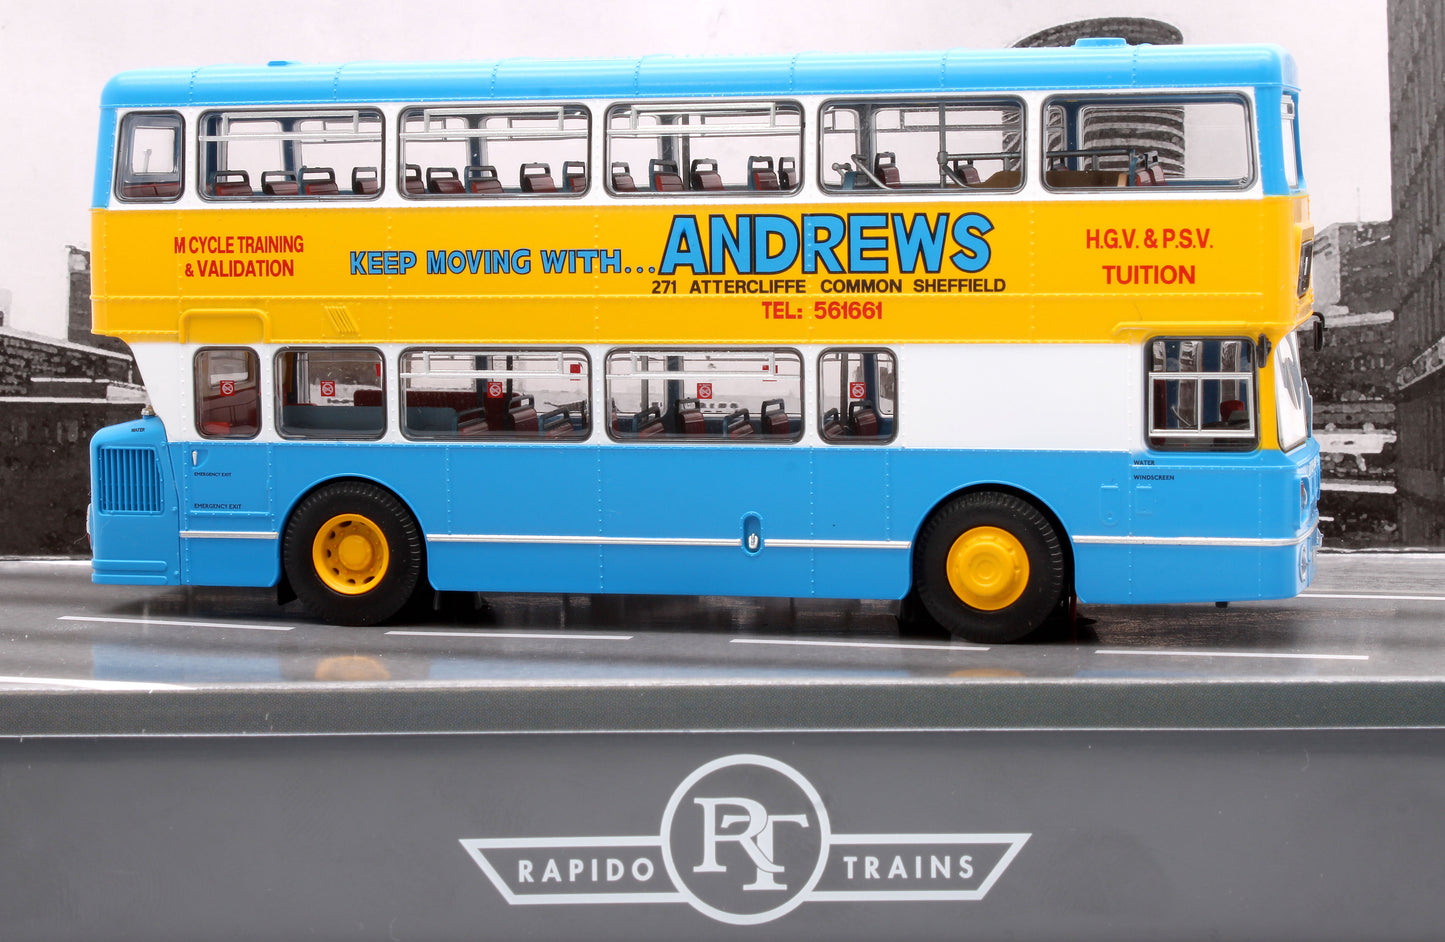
[989, 567]
[353, 553]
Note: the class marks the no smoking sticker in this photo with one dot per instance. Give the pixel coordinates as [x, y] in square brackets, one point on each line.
[328, 387]
[494, 390]
[704, 390]
[228, 388]
[857, 391]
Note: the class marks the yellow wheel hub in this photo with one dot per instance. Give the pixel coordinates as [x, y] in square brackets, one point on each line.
[988, 568]
[350, 554]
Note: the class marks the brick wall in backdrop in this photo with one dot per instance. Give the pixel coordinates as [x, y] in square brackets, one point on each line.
[54, 395]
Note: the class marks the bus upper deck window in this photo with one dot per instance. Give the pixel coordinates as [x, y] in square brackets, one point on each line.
[705, 148]
[249, 155]
[950, 145]
[486, 152]
[1289, 139]
[1148, 142]
[149, 158]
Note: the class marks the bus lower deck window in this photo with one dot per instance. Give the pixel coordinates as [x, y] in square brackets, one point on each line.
[482, 394]
[227, 384]
[1201, 394]
[857, 396]
[705, 395]
[335, 393]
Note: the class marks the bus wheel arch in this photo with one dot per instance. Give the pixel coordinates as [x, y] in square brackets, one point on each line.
[990, 564]
[353, 552]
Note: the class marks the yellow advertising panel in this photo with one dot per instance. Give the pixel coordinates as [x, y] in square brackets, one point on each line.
[702, 272]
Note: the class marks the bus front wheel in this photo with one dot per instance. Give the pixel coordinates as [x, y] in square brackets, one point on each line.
[352, 553]
[989, 567]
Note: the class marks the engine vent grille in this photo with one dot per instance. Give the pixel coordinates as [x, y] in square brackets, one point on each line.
[128, 481]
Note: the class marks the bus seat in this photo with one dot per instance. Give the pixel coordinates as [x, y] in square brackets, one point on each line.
[622, 179]
[151, 190]
[234, 416]
[496, 408]
[761, 175]
[833, 425]
[1002, 180]
[966, 172]
[318, 181]
[230, 183]
[431, 420]
[885, 168]
[774, 420]
[522, 417]
[704, 175]
[412, 183]
[365, 180]
[279, 182]
[556, 424]
[787, 173]
[1232, 411]
[863, 418]
[368, 397]
[537, 178]
[443, 180]
[482, 179]
[738, 424]
[574, 176]
[472, 422]
[1083, 178]
[1149, 172]
[687, 414]
[664, 176]
[648, 422]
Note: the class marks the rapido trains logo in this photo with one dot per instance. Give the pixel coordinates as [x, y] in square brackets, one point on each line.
[745, 839]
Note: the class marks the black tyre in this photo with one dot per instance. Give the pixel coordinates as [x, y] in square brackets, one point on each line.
[989, 567]
[353, 553]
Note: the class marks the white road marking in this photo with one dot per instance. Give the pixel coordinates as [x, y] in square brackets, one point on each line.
[1375, 598]
[542, 635]
[1264, 654]
[859, 644]
[175, 624]
[92, 684]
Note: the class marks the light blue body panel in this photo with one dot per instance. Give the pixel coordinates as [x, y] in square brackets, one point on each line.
[833, 522]
[1079, 68]
[137, 543]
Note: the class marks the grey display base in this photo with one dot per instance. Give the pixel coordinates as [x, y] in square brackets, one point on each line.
[1151, 810]
[1288, 787]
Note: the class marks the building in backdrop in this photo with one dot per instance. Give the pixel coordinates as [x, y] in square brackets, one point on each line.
[1352, 381]
[54, 395]
[1417, 164]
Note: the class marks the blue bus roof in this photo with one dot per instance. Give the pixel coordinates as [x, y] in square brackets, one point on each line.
[1090, 64]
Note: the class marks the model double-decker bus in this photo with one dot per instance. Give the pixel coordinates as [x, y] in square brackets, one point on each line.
[988, 330]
